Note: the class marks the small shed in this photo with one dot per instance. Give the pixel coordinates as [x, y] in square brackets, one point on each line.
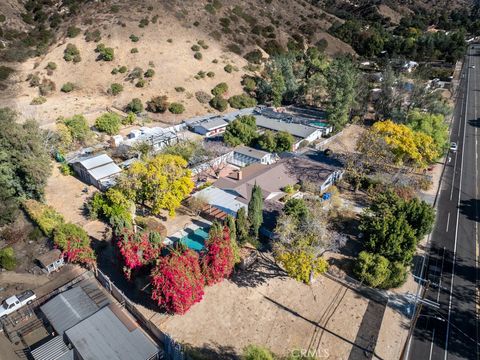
[51, 260]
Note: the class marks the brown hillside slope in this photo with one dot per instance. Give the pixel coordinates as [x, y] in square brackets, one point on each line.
[164, 46]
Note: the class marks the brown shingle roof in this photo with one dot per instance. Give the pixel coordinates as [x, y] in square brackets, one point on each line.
[49, 257]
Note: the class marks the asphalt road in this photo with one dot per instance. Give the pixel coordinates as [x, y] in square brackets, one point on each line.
[448, 327]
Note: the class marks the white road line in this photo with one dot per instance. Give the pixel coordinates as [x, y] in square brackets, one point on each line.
[476, 213]
[458, 215]
[453, 177]
[448, 222]
[431, 344]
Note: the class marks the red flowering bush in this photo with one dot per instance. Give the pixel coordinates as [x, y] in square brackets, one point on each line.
[177, 281]
[74, 243]
[136, 250]
[218, 260]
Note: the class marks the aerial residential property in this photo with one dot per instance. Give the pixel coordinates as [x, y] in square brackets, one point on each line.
[261, 180]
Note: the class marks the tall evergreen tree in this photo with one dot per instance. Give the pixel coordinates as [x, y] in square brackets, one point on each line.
[255, 208]
[242, 226]
[230, 222]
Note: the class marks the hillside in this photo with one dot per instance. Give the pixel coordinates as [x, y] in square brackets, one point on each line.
[164, 45]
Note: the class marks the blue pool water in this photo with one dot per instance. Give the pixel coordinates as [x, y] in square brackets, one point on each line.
[196, 239]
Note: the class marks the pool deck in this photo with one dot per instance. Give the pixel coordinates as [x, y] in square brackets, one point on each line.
[188, 229]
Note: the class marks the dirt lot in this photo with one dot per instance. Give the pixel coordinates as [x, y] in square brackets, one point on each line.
[263, 306]
[65, 194]
[345, 141]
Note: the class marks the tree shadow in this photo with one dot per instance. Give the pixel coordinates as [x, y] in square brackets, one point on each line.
[137, 289]
[367, 350]
[259, 273]
[474, 122]
[469, 209]
[209, 351]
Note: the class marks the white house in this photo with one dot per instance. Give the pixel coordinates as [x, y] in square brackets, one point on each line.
[210, 127]
[243, 156]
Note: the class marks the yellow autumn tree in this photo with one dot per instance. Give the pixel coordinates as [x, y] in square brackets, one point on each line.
[161, 182]
[407, 145]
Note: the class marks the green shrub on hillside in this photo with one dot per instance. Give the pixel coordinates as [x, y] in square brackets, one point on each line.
[176, 108]
[122, 69]
[195, 48]
[73, 31]
[134, 38]
[71, 53]
[51, 66]
[133, 51]
[158, 104]
[149, 73]
[94, 36]
[67, 87]
[115, 89]
[242, 101]
[198, 55]
[39, 100]
[219, 103]
[108, 123]
[7, 258]
[220, 89]
[135, 106]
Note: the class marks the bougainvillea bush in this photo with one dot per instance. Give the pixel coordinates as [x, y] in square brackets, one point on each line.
[74, 243]
[177, 281]
[218, 260]
[137, 249]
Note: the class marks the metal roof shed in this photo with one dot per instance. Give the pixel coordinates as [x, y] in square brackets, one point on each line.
[68, 309]
[110, 334]
[54, 349]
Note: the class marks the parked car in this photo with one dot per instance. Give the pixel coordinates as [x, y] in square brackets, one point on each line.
[453, 146]
[15, 302]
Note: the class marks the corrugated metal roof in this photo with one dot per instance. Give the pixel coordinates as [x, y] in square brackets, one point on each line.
[54, 349]
[68, 309]
[213, 124]
[221, 199]
[248, 151]
[298, 130]
[104, 336]
[96, 161]
[104, 171]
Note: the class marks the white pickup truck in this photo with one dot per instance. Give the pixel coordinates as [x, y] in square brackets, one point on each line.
[15, 302]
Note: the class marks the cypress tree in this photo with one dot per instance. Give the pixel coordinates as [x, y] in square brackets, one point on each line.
[230, 222]
[242, 226]
[255, 208]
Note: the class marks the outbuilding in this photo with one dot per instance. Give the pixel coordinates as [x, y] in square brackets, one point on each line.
[98, 170]
[51, 260]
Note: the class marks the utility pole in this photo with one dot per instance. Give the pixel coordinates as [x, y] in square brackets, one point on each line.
[422, 301]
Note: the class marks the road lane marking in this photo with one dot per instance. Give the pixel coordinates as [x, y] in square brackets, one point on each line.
[458, 215]
[448, 222]
[431, 344]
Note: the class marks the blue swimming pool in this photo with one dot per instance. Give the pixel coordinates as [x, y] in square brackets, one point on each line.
[196, 239]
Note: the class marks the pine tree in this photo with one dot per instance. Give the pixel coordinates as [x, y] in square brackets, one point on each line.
[242, 226]
[255, 208]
